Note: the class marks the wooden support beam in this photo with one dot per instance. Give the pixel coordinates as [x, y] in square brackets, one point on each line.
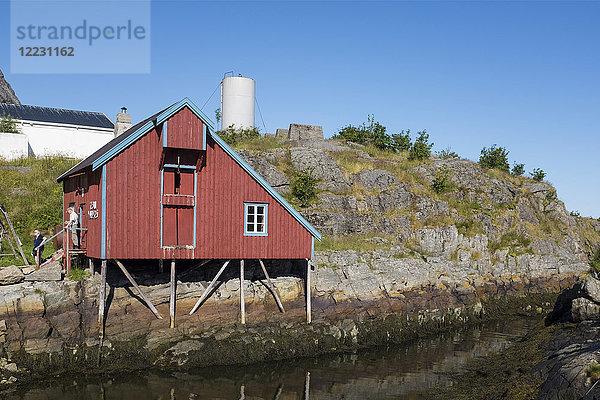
[308, 300]
[11, 246]
[161, 267]
[209, 288]
[17, 241]
[91, 265]
[272, 287]
[102, 300]
[278, 392]
[173, 294]
[194, 268]
[307, 386]
[242, 301]
[142, 294]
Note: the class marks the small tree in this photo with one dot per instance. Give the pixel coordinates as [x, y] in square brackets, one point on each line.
[518, 169]
[441, 181]
[447, 154]
[421, 148]
[401, 141]
[304, 187]
[538, 174]
[494, 157]
[8, 124]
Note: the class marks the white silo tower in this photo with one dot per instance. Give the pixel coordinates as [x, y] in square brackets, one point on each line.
[237, 102]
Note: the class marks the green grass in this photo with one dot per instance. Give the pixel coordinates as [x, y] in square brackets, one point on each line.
[262, 143]
[32, 199]
[354, 242]
[516, 244]
[593, 370]
[78, 274]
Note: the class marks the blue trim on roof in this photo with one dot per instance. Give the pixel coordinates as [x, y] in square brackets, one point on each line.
[148, 126]
[265, 185]
[164, 133]
[103, 230]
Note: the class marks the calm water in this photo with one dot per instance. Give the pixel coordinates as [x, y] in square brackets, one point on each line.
[395, 372]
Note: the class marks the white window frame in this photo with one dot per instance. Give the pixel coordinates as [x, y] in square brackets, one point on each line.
[254, 218]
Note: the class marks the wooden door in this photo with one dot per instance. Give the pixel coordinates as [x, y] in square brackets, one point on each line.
[178, 203]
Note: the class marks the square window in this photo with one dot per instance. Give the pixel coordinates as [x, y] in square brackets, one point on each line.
[255, 216]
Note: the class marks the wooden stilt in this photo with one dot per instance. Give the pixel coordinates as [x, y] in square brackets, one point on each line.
[101, 303]
[209, 288]
[101, 300]
[7, 237]
[17, 241]
[242, 301]
[161, 267]
[242, 392]
[91, 265]
[308, 300]
[272, 287]
[173, 294]
[307, 386]
[142, 294]
[278, 392]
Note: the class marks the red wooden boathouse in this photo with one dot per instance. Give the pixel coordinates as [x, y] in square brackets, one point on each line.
[169, 189]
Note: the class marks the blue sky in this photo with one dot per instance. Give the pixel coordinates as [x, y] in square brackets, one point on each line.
[523, 75]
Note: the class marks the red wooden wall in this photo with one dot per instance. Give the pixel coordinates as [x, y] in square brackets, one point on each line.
[133, 209]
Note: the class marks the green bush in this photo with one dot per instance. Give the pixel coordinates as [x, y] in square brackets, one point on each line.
[421, 148]
[401, 141]
[370, 133]
[538, 174]
[232, 136]
[518, 169]
[447, 154]
[441, 181]
[494, 157]
[8, 124]
[304, 187]
[373, 133]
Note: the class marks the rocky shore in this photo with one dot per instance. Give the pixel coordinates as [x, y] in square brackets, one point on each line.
[51, 327]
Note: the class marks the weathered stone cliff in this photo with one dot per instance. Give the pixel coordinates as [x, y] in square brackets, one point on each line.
[7, 94]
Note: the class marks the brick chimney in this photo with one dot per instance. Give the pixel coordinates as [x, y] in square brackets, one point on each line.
[123, 122]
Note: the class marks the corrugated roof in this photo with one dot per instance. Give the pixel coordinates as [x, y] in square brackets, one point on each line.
[56, 115]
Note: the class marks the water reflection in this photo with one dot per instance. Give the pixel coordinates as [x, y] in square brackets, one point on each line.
[394, 372]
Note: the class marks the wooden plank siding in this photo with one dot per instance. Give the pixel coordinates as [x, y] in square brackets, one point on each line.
[133, 202]
[187, 131]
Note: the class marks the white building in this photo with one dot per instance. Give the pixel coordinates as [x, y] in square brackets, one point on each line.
[48, 131]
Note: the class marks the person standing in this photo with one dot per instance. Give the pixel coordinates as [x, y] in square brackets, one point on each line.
[73, 225]
[37, 241]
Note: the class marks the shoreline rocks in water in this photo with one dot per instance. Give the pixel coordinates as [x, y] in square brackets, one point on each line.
[51, 327]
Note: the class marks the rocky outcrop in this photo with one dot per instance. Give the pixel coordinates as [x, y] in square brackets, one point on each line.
[11, 275]
[322, 166]
[7, 94]
[264, 166]
[50, 272]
